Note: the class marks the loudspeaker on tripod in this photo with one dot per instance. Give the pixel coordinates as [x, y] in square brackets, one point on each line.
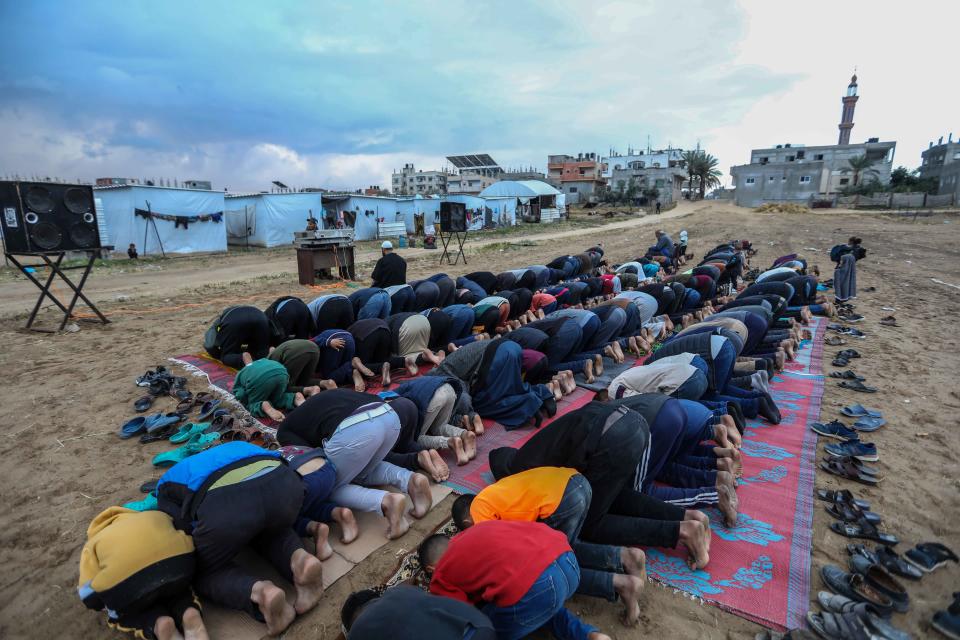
[41, 217]
[453, 217]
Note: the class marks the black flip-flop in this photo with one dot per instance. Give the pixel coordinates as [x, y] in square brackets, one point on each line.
[842, 495]
[840, 362]
[864, 530]
[849, 374]
[149, 486]
[848, 513]
[142, 404]
[856, 385]
[849, 354]
[846, 468]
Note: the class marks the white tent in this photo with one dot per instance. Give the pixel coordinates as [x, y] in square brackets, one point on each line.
[162, 218]
[270, 219]
[536, 201]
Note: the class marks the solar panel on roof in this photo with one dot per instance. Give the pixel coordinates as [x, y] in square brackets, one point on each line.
[473, 161]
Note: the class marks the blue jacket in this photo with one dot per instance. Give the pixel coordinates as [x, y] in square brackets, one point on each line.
[181, 489]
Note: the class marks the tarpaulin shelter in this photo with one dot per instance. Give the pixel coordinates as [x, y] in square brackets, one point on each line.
[270, 219]
[176, 220]
[534, 200]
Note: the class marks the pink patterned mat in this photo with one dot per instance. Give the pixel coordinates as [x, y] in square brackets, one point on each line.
[760, 569]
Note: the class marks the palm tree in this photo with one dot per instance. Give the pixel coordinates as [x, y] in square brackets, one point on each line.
[707, 172]
[861, 167]
[690, 160]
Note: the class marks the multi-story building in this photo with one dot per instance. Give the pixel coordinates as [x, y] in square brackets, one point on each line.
[115, 182]
[942, 162]
[529, 173]
[409, 182]
[476, 172]
[663, 170]
[797, 173]
[578, 177]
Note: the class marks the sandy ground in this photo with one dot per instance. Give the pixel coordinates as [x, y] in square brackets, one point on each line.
[65, 396]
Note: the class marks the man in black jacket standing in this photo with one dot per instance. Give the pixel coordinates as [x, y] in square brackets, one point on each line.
[391, 269]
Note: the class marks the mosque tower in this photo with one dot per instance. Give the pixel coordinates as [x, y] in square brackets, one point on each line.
[846, 117]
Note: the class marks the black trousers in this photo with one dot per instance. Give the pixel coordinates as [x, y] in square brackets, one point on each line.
[376, 348]
[259, 513]
[335, 314]
[295, 320]
[145, 619]
[404, 452]
[619, 515]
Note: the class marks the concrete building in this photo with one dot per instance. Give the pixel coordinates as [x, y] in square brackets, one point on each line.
[529, 173]
[578, 177]
[797, 173]
[409, 182]
[115, 182]
[206, 185]
[942, 162]
[663, 169]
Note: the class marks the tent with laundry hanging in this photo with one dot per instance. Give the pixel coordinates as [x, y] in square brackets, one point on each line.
[162, 219]
[270, 219]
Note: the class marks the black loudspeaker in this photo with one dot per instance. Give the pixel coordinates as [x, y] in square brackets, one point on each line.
[453, 217]
[41, 217]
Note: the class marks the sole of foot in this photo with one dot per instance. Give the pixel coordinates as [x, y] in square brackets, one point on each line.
[308, 580]
[419, 489]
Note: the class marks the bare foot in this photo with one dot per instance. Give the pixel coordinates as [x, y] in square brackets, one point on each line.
[410, 362]
[321, 537]
[393, 506]
[193, 627]
[470, 444]
[588, 368]
[629, 589]
[273, 414]
[298, 399]
[596, 635]
[696, 515]
[598, 364]
[247, 358]
[610, 353]
[440, 465]
[728, 498]
[452, 347]
[459, 450]
[427, 465]
[691, 535]
[720, 434]
[431, 357]
[568, 383]
[419, 489]
[315, 389]
[632, 345]
[359, 384]
[385, 375]
[477, 424]
[166, 629]
[307, 579]
[554, 387]
[634, 562]
[272, 602]
[348, 524]
[362, 368]
[618, 351]
[733, 455]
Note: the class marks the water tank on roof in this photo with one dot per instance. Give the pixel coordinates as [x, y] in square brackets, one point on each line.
[873, 140]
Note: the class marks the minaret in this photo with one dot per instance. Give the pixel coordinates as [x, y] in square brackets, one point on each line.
[846, 117]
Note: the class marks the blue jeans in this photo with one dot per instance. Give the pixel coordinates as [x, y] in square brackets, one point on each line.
[542, 606]
[377, 306]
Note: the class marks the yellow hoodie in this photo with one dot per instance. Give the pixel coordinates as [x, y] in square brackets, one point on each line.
[130, 555]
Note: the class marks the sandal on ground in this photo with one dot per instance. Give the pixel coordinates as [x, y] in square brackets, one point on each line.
[157, 435]
[208, 408]
[849, 374]
[868, 424]
[187, 431]
[142, 404]
[850, 513]
[147, 504]
[947, 621]
[850, 354]
[834, 341]
[840, 362]
[864, 530]
[856, 385]
[221, 423]
[838, 626]
[133, 427]
[183, 395]
[149, 486]
[889, 321]
[847, 468]
[160, 420]
[193, 447]
[842, 495]
[860, 411]
[185, 407]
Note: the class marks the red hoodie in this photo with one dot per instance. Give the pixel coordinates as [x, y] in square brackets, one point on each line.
[496, 561]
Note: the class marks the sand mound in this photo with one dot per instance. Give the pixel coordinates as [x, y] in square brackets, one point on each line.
[781, 207]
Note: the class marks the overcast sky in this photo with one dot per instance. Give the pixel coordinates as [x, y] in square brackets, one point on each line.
[338, 95]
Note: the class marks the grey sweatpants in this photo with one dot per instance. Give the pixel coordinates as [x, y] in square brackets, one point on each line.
[845, 278]
[357, 452]
[436, 428]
